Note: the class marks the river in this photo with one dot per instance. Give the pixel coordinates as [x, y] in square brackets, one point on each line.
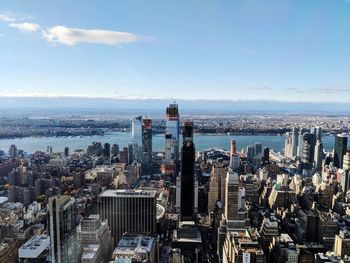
[202, 141]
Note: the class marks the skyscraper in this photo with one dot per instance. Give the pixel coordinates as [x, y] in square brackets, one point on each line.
[300, 143]
[341, 142]
[187, 174]
[216, 185]
[147, 146]
[136, 137]
[63, 229]
[346, 161]
[318, 155]
[234, 159]
[128, 211]
[173, 127]
[250, 153]
[295, 140]
[257, 148]
[288, 145]
[308, 153]
[235, 216]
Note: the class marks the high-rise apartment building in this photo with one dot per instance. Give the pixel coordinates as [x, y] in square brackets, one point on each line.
[131, 211]
[172, 127]
[63, 229]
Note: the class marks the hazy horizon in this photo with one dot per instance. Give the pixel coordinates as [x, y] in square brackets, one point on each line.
[149, 106]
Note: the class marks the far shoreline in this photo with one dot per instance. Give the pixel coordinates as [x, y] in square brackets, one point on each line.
[154, 134]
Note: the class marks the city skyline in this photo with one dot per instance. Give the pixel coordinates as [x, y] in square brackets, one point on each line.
[247, 50]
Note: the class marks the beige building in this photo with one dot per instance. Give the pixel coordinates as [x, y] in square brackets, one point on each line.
[240, 247]
[342, 243]
[216, 185]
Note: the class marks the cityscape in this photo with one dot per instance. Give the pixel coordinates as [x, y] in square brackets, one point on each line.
[174, 131]
[111, 203]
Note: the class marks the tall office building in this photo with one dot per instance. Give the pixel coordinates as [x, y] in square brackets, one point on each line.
[318, 155]
[250, 153]
[266, 156]
[295, 140]
[63, 229]
[235, 216]
[131, 211]
[216, 185]
[136, 137]
[300, 143]
[147, 146]
[173, 127]
[317, 131]
[258, 148]
[341, 142]
[187, 174]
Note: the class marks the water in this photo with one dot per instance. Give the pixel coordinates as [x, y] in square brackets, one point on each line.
[32, 144]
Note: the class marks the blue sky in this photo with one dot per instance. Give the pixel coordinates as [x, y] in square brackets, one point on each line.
[239, 50]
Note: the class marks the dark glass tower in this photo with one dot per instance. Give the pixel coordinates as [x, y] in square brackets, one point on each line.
[341, 142]
[187, 173]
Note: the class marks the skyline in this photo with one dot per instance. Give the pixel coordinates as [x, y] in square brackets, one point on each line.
[242, 51]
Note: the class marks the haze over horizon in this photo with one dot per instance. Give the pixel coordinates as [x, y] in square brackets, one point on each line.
[241, 50]
[155, 107]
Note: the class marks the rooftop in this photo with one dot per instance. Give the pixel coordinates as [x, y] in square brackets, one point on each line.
[34, 247]
[128, 193]
[134, 244]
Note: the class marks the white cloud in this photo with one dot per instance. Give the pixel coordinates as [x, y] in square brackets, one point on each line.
[25, 26]
[71, 36]
[7, 18]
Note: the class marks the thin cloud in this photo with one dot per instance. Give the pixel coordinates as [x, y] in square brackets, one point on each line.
[25, 26]
[7, 18]
[323, 90]
[72, 36]
[260, 88]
